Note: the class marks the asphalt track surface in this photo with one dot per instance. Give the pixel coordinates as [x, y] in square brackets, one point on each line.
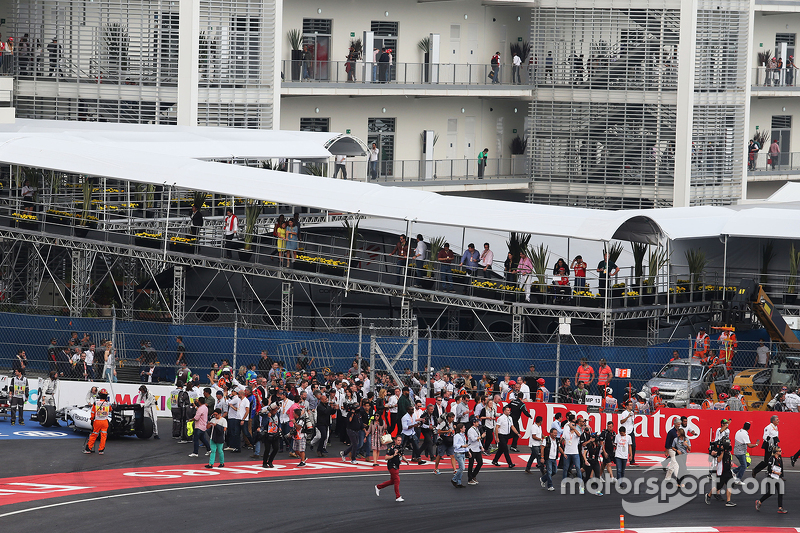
[330, 499]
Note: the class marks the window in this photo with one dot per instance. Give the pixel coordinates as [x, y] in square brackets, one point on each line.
[315, 124]
[317, 40]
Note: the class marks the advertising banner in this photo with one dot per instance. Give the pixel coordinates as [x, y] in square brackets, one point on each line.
[74, 393]
[651, 430]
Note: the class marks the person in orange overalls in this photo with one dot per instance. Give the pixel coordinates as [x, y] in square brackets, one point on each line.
[701, 345]
[655, 400]
[727, 344]
[101, 410]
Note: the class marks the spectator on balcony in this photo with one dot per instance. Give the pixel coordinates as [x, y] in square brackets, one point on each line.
[470, 259]
[578, 267]
[525, 273]
[341, 161]
[291, 241]
[482, 162]
[790, 71]
[752, 152]
[775, 154]
[230, 228]
[54, 53]
[516, 63]
[24, 54]
[487, 258]
[496, 68]
[373, 161]
[352, 57]
[306, 64]
[445, 258]
[401, 251]
[510, 268]
[27, 196]
[384, 64]
[603, 268]
[197, 221]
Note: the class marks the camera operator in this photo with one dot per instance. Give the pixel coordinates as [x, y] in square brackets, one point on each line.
[356, 419]
[270, 432]
[324, 412]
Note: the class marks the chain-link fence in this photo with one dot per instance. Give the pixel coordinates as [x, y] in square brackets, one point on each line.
[386, 345]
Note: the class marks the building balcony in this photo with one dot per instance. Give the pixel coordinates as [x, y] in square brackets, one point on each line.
[761, 167]
[368, 79]
[444, 175]
[774, 82]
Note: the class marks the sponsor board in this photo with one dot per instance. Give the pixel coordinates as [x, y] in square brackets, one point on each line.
[8, 432]
[74, 393]
[651, 430]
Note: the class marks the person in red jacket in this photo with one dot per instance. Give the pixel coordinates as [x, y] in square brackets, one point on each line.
[101, 410]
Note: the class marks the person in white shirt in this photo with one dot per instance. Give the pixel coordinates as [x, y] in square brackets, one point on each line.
[373, 161]
[230, 228]
[408, 423]
[770, 439]
[792, 401]
[340, 161]
[622, 448]
[488, 419]
[420, 253]
[460, 449]
[535, 442]
[762, 354]
[741, 444]
[557, 424]
[503, 431]
[516, 62]
[475, 450]
[438, 384]
[524, 390]
[626, 419]
[391, 406]
[571, 440]
[487, 258]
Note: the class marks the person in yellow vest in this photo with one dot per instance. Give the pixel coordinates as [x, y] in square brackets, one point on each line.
[728, 343]
[101, 410]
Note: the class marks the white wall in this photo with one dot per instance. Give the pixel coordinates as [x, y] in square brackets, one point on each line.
[766, 25]
[416, 20]
[414, 115]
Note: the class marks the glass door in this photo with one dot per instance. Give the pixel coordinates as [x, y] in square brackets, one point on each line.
[381, 132]
[317, 41]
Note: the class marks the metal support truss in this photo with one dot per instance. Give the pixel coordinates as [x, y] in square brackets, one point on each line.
[128, 265]
[608, 330]
[517, 325]
[287, 305]
[7, 269]
[82, 262]
[405, 317]
[453, 321]
[248, 302]
[33, 275]
[178, 294]
[652, 331]
[337, 295]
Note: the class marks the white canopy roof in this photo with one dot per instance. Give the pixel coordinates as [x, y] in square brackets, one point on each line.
[184, 141]
[169, 156]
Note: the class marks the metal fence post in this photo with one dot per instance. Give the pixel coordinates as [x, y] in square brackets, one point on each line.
[360, 340]
[428, 369]
[113, 326]
[373, 341]
[235, 337]
[558, 361]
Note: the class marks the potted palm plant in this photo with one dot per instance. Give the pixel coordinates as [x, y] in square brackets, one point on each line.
[435, 246]
[539, 256]
[252, 209]
[697, 262]
[424, 44]
[296, 42]
[82, 229]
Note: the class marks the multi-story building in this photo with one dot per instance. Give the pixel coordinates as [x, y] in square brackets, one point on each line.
[632, 104]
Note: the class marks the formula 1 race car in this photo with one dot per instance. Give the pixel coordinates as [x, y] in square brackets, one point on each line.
[125, 419]
[5, 406]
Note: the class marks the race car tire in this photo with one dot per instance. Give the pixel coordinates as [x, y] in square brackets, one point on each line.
[46, 415]
[146, 431]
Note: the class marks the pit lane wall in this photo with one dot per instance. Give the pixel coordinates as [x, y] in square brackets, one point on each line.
[651, 430]
[74, 393]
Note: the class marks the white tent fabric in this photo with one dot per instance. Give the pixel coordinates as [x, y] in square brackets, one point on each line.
[183, 141]
[167, 155]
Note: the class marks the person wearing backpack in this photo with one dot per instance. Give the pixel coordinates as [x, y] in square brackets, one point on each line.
[218, 428]
[496, 68]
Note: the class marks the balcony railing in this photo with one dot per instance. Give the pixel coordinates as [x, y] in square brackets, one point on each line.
[438, 170]
[774, 77]
[400, 73]
[786, 162]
